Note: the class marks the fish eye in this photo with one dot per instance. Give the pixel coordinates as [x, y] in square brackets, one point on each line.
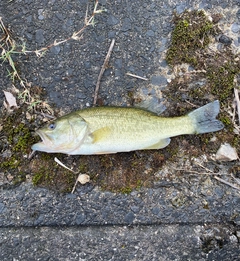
[52, 126]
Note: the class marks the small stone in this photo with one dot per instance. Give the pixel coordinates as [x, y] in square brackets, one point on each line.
[158, 80]
[237, 222]
[40, 14]
[2, 207]
[238, 235]
[87, 65]
[150, 33]
[235, 27]
[80, 95]
[69, 22]
[112, 20]
[29, 36]
[224, 39]
[80, 218]
[155, 210]
[233, 239]
[40, 17]
[39, 36]
[135, 209]
[226, 153]
[126, 24]
[129, 218]
[59, 16]
[29, 18]
[102, 2]
[238, 14]
[180, 8]
[111, 34]
[55, 49]
[118, 63]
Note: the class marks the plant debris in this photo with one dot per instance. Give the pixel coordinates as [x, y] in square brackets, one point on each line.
[226, 153]
[11, 102]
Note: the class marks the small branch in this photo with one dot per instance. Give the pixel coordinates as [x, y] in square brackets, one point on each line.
[30, 156]
[227, 183]
[196, 172]
[104, 66]
[64, 166]
[137, 76]
[210, 172]
[200, 165]
[237, 103]
[237, 180]
[195, 106]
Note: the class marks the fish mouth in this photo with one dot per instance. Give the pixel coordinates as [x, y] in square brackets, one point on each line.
[44, 137]
[46, 143]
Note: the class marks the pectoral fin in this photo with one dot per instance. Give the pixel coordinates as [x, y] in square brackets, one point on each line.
[101, 134]
[159, 145]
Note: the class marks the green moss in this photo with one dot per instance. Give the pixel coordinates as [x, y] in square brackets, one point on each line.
[139, 184]
[190, 37]
[221, 78]
[19, 178]
[11, 163]
[83, 167]
[38, 176]
[226, 121]
[126, 190]
[192, 32]
[217, 70]
[19, 135]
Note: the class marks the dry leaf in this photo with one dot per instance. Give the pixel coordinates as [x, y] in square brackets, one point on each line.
[83, 178]
[28, 116]
[11, 101]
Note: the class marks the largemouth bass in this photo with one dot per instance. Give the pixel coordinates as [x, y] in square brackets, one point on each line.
[104, 130]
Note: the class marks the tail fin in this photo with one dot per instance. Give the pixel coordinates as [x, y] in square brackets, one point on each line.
[205, 118]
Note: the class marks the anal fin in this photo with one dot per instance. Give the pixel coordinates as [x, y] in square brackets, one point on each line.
[159, 145]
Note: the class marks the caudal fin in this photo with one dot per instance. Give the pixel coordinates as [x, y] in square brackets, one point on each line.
[205, 118]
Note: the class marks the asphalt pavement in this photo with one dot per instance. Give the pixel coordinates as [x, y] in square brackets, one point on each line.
[180, 217]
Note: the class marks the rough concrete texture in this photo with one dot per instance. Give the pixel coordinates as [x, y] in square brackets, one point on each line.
[187, 217]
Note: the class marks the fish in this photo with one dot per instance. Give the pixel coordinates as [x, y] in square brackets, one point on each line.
[106, 130]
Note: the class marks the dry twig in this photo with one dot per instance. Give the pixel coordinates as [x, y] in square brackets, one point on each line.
[237, 180]
[104, 66]
[237, 103]
[227, 183]
[137, 76]
[210, 172]
[219, 179]
[64, 166]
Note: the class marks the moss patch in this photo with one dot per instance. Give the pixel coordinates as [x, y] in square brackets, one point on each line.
[14, 145]
[121, 172]
[190, 39]
[213, 77]
[192, 32]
